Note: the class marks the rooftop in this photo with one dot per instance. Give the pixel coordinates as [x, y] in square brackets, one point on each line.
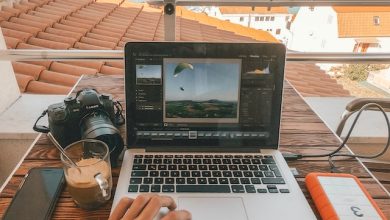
[109, 24]
[359, 21]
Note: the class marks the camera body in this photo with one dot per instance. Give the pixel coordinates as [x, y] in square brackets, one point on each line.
[88, 115]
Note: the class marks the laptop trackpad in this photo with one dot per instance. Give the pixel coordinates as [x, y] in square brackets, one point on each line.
[209, 208]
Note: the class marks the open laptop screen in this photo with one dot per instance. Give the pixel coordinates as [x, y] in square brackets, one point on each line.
[178, 97]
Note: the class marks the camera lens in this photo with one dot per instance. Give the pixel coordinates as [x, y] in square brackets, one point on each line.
[99, 126]
[169, 9]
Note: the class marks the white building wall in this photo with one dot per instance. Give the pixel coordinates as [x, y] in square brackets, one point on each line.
[258, 21]
[9, 90]
[315, 30]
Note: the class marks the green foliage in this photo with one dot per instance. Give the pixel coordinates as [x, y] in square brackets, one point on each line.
[359, 72]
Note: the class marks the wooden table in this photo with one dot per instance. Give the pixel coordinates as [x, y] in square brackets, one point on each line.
[302, 132]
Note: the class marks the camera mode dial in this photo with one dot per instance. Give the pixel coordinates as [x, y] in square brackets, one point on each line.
[69, 100]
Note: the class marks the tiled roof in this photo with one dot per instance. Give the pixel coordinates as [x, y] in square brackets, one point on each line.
[109, 24]
[359, 21]
[311, 81]
[255, 10]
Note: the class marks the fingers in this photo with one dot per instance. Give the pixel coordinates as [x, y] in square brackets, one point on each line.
[121, 208]
[137, 206]
[154, 206]
[178, 215]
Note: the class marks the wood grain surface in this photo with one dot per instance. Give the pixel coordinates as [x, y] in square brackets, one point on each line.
[301, 132]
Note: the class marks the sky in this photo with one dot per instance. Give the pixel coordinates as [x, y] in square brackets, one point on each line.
[148, 71]
[206, 81]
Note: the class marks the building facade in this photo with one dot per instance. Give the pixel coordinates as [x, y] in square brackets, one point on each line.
[275, 20]
[341, 29]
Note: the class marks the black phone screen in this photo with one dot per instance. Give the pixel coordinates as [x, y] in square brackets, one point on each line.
[37, 196]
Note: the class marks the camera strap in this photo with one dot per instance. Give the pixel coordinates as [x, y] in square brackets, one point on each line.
[41, 128]
[119, 118]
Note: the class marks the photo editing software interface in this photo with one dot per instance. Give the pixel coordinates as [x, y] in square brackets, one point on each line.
[204, 98]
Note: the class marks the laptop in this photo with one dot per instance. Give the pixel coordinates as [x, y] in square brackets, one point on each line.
[203, 123]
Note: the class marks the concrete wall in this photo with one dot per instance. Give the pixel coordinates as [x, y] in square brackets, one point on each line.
[9, 90]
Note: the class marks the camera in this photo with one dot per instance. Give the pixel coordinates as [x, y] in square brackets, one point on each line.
[89, 115]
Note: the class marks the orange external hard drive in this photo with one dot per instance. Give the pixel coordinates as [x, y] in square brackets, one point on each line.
[340, 196]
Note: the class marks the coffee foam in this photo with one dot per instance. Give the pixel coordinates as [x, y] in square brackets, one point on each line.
[89, 168]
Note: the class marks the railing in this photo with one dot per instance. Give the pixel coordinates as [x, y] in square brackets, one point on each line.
[69, 55]
[270, 3]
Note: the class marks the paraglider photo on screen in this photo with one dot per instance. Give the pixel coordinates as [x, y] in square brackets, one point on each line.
[148, 74]
[201, 90]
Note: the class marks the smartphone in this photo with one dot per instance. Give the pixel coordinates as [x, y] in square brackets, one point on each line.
[37, 194]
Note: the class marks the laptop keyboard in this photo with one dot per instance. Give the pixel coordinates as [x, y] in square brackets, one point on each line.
[183, 173]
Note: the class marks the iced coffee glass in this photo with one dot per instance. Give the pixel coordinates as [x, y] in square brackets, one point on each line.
[90, 183]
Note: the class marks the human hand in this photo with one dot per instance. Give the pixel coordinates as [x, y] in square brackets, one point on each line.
[146, 207]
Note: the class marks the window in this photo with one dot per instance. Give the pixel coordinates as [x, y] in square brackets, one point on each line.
[330, 19]
[267, 18]
[376, 20]
[241, 18]
[262, 18]
[278, 31]
[323, 43]
[272, 18]
[287, 18]
[257, 18]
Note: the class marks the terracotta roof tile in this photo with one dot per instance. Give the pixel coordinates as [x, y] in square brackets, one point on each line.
[20, 27]
[22, 7]
[58, 78]
[71, 69]
[12, 10]
[311, 81]
[37, 19]
[79, 20]
[11, 42]
[104, 32]
[52, 11]
[82, 31]
[96, 42]
[23, 81]
[28, 69]
[102, 37]
[90, 64]
[6, 15]
[16, 34]
[90, 24]
[355, 9]
[29, 46]
[108, 70]
[84, 46]
[48, 43]
[77, 24]
[46, 64]
[111, 29]
[117, 64]
[31, 23]
[25, 6]
[56, 18]
[39, 2]
[86, 17]
[53, 37]
[59, 32]
[46, 88]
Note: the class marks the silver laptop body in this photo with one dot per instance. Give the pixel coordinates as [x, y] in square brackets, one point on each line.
[203, 123]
